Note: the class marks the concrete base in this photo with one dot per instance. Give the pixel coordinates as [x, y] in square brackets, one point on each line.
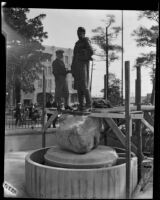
[102, 156]
[14, 174]
[56, 182]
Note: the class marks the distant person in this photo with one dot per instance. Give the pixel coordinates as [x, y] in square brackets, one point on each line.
[61, 89]
[18, 113]
[34, 114]
[82, 54]
[31, 110]
[51, 104]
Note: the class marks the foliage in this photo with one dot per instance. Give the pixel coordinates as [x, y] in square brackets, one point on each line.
[25, 54]
[147, 37]
[100, 39]
[114, 90]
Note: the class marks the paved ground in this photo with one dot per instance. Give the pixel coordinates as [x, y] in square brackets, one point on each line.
[14, 175]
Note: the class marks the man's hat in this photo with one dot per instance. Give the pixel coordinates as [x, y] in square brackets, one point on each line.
[81, 29]
[59, 51]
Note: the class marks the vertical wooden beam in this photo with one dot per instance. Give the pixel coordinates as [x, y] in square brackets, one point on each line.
[44, 105]
[128, 129]
[156, 173]
[122, 62]
[138, 88]
[105, 86]
[91, 78]
[138, 124]
[107, 75]
[136, 91]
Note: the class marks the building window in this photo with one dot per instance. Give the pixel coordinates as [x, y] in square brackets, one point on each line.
[40, 83]
[49, 70]
[66, 60]
[45, 71]
[50, 83]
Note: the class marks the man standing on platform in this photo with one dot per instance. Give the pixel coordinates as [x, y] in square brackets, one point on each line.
[61, 89]
[80, 69]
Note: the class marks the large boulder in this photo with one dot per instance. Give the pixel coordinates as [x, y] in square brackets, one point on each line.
[79, 134]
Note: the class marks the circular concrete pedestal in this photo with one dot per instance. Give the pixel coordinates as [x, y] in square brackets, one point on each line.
[59, 182]
[102, 156]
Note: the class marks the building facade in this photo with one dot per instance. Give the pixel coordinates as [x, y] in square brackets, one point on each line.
[36, 96]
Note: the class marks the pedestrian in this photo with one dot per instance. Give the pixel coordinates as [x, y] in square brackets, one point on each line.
[31, 110]
[82, 55]
[51, 104]
[18, 113]
[61, 85]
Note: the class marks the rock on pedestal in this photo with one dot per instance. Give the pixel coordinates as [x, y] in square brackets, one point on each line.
[79, 134]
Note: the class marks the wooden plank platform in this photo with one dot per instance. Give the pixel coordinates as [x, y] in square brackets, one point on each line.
[75, 112]
[103, 113]
[108, 110]
[122, 109]
[116, 115]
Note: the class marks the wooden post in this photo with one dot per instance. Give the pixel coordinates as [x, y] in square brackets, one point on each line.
[122, 62]
[91, 79]
[44, 105]
[105, 86]
[128, 129]
[136, 92]
[138, 123]
[107, 75]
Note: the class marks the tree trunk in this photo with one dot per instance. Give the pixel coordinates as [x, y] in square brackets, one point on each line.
[17, 91]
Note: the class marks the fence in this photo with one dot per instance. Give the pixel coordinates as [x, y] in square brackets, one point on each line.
[23, 122]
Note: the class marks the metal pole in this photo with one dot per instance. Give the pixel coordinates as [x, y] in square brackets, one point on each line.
[122, 61]
[44, 105]
[128, 129]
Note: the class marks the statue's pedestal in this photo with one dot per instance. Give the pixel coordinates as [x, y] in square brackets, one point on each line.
[102, 156]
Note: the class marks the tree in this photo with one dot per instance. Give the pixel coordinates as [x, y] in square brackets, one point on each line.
[25, 54]
[114, 90]
[100, 39]
[147, 38]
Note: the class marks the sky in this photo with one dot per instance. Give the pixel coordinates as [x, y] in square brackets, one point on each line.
[62, 24]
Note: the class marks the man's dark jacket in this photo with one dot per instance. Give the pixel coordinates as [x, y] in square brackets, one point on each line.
[82, 54]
